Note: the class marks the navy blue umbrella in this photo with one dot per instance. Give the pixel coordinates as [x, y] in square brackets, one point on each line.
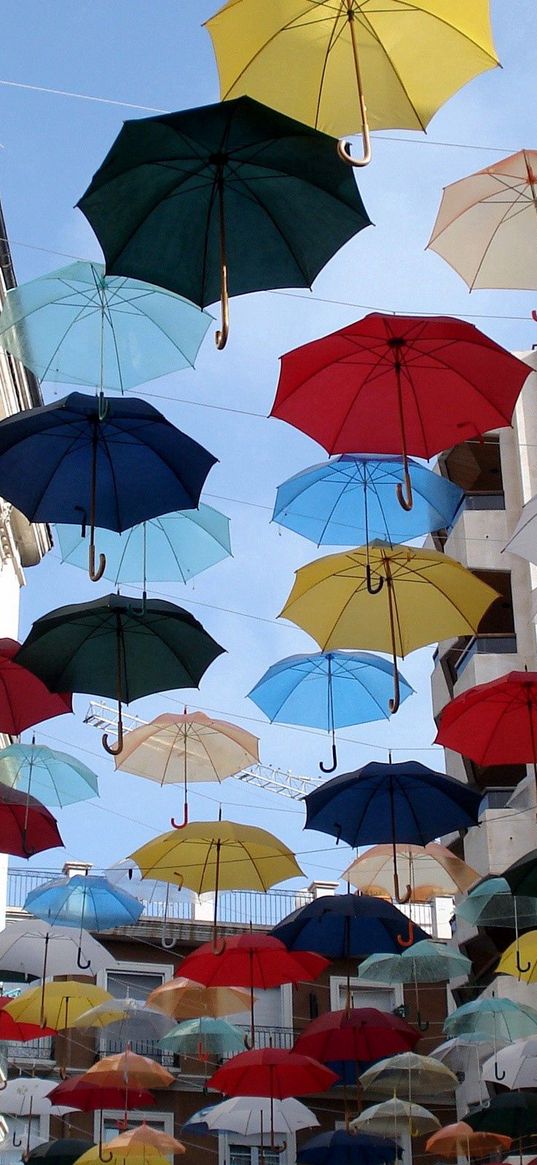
[391, 803]
[92, 461]
[345, 926]
[343, 1148]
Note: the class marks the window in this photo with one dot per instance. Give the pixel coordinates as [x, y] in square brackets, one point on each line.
[251, 1155]
[134, 984]
[496, 633]
[363, 995]
[132, 981]
[476, 466]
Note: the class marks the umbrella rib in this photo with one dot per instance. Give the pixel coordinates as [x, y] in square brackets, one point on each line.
[250, 195]
[497, 228]
[284, 28]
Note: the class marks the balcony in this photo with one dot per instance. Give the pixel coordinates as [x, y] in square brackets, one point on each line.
[482, 645]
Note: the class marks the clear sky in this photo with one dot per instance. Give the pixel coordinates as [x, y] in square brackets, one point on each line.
[156, 54]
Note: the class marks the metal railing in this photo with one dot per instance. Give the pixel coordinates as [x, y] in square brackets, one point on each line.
[485, 645]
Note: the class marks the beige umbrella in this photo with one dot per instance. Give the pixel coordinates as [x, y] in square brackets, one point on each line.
[408, 1075]
[431, 871]
[190, 747]
[393, 1117]
[486, 227]
[183, 999]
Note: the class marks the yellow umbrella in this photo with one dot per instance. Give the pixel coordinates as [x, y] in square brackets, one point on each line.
[430, 870]
[321, 60]
[522, 951]
[184, 999]
[419, 596]
[95, 1156]
[189, 747]
[209, 856]
[144, 1141]
[56, 1005]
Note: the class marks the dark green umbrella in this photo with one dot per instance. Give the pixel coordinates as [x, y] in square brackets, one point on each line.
[223, 199]
[513, 1114]
[111, 648]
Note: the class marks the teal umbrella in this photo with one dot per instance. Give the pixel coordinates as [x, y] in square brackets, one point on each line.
[204, 1037]
[163, 549]
[80, 326]
[53, 777]
[424, 962]
[492, 903]
[499, 1019]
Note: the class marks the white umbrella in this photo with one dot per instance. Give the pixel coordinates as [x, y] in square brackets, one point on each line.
[394, 1117]
[459, 1051]
[515, 1066]
[35, 949]
[127, 1019]
[523, 540]
[27, 1096]
[250, 1116]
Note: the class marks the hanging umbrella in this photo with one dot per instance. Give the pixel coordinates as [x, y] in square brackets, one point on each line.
[80, 326]
[485, 227]
[523, 540]
[514, 1066]
[24, 700]
[19, 1032]
[35, 949]
[460, 1140]
[408, 1074]
[135, 1142]
[180, 998]
[84, 900]
[204, 1038]
[59, 1151]
[222, 200]
[160, 899]
[252, 960]
[458, 1051]
[389, 803]
[128, 1070]
[344, 1148]
[88, 1097]
[431, 871]
[128, 1020]
[491, 903]
[26, 826]
[358, 1034]
[27, 1097]
[346, 926]
[327, 690]
[513, 1113]
[522, 875]
[494, 723]
[424, 962]
[499, 1019]
[209, 856]
[95, 1155]
[249, 1116]
[387, 598]
[520, 958]
[55, 777]
[399, 384]
[326, 62]
[163, 549]
[273, 1073]
[108, 648]
[394, 1117]
[57, 1005]
[351, 499]
[178, 748]
[89, 462]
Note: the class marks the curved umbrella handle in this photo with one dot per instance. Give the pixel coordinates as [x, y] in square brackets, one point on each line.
[422, 1024]
[499, 1076]
[218, 945]
[249, 1041]
[407, 942]
[408, 893]
[406, 502]
[3, 1085]
[95, 574]
[16, 1141]
[184, 822]
[103, 403]
[222, 334]
[83, 966]
[372, 590]
[534, 315]
[114, 749]
[330, 768]
[167, 943]
[522, 970]
[102, 1158]
[395, 700]
[278, 1148]
[343, 149]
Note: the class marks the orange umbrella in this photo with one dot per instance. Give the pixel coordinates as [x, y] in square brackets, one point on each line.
[460, 1139]
[184, 999]
[136, 1141]
[130, 1070]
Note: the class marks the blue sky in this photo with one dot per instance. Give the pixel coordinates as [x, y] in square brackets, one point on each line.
[157, 55]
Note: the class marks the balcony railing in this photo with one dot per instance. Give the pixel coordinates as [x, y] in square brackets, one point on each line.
[487, 500]
[484, 645]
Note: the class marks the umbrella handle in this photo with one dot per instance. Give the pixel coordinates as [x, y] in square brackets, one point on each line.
[218, 945]
[522, 970]
[184, 822]
[395, 700]
[104, 1159]
[407, 942]
[330, 768]
[343, 150]
[248, 1041]
[498, 1075]
[372, 590]
[95, 574]
[278, 1148]
[422, 1024]
[343, 146]
[83, 966]
[406, 896]
[405, 501]
[16, 1141]
[534, 315]
[114, 749]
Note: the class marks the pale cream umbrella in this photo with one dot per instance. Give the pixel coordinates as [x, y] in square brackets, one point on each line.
[431, 871]
[394, 1117]
[408, 1075]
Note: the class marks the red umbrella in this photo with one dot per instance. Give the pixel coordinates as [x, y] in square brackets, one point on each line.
[24, 699]
[494, 723]
[363, 1033]
[26, 826]
[252, 960]
[399, 384]
[11, 1029]
[87, 1096]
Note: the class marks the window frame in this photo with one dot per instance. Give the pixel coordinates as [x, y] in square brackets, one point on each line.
[338, 983]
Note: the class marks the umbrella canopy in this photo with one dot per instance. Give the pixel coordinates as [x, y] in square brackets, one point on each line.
[514, 1066]
[499, 1019]
[381, 385]
[54, 777]
[182, 999]
[88, 462]
[343, 926]
[523, 540]
[459, 1051]
[432, 871]
[143, 1137]
[224, 199]
[127, 1020]
[95, 1155]
[514, 1114]
[387, 598]
[33, 948]
[26, 826]
[494, 723]
[408, 1074]
[522, 875]
[189, 747]
[88, 1097]
[394, 1117]
[109, 648]
[520, 958]
[19, 1032]
[77, 325]
[405, 802]
[272, 1072]
[56, 1005]
[250, 1116]
[24, 699]
[460, 1140]
[423, 962]
[29, 1096]
[329, 689]
[360, 1033]
[344, 1148]
[128, 1068]
[204, 1037]
[60, 1151]
[83, 900]
[485, 227]
[491, 903]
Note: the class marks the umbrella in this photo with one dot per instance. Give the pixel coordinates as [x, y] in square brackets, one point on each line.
[418, 596]
[326, 62]
[520, 958]
[89, 461]
[424, 962]
[383, 384]
[405, 802]
[252, 960]
[204, 1037]
[459, 1139]
[358, 1034]
[351, 498]
[494, 723]
[514, 1066]
[109, 648]
[26, 826]
[83, 900]
[80, 326]
[224, 199]
[327, 690]
[485, 227]
[59, 1152]
[459, 1050]
[408, 1073]
[499, 1019]
[169, 547]
[432, 871]
[33, 948]
[128, 1070]
[344, 1148]
[56, 777]
[513, 1114]
[57, 1005]
[135, 1142]
[182, 999]
[250, 1115]
[491, 903]
[24, 699]
[209, 856]
[345, 926]
[173, 748]
[523, 540]
[522, 875]
[273, 1073]
[27, 1097]
[95, 1155]
[87, 1097]
[126, 1020]
[19, 1032]
[395, 1117]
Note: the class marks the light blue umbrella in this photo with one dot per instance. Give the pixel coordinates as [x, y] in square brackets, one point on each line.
[423, 962]
[328, 689]
[53, 777]
[80, 326]
[204, 1037]
[178, 545]
[492, 903]
[500, 1019]
[350, 499]
[86, 901]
